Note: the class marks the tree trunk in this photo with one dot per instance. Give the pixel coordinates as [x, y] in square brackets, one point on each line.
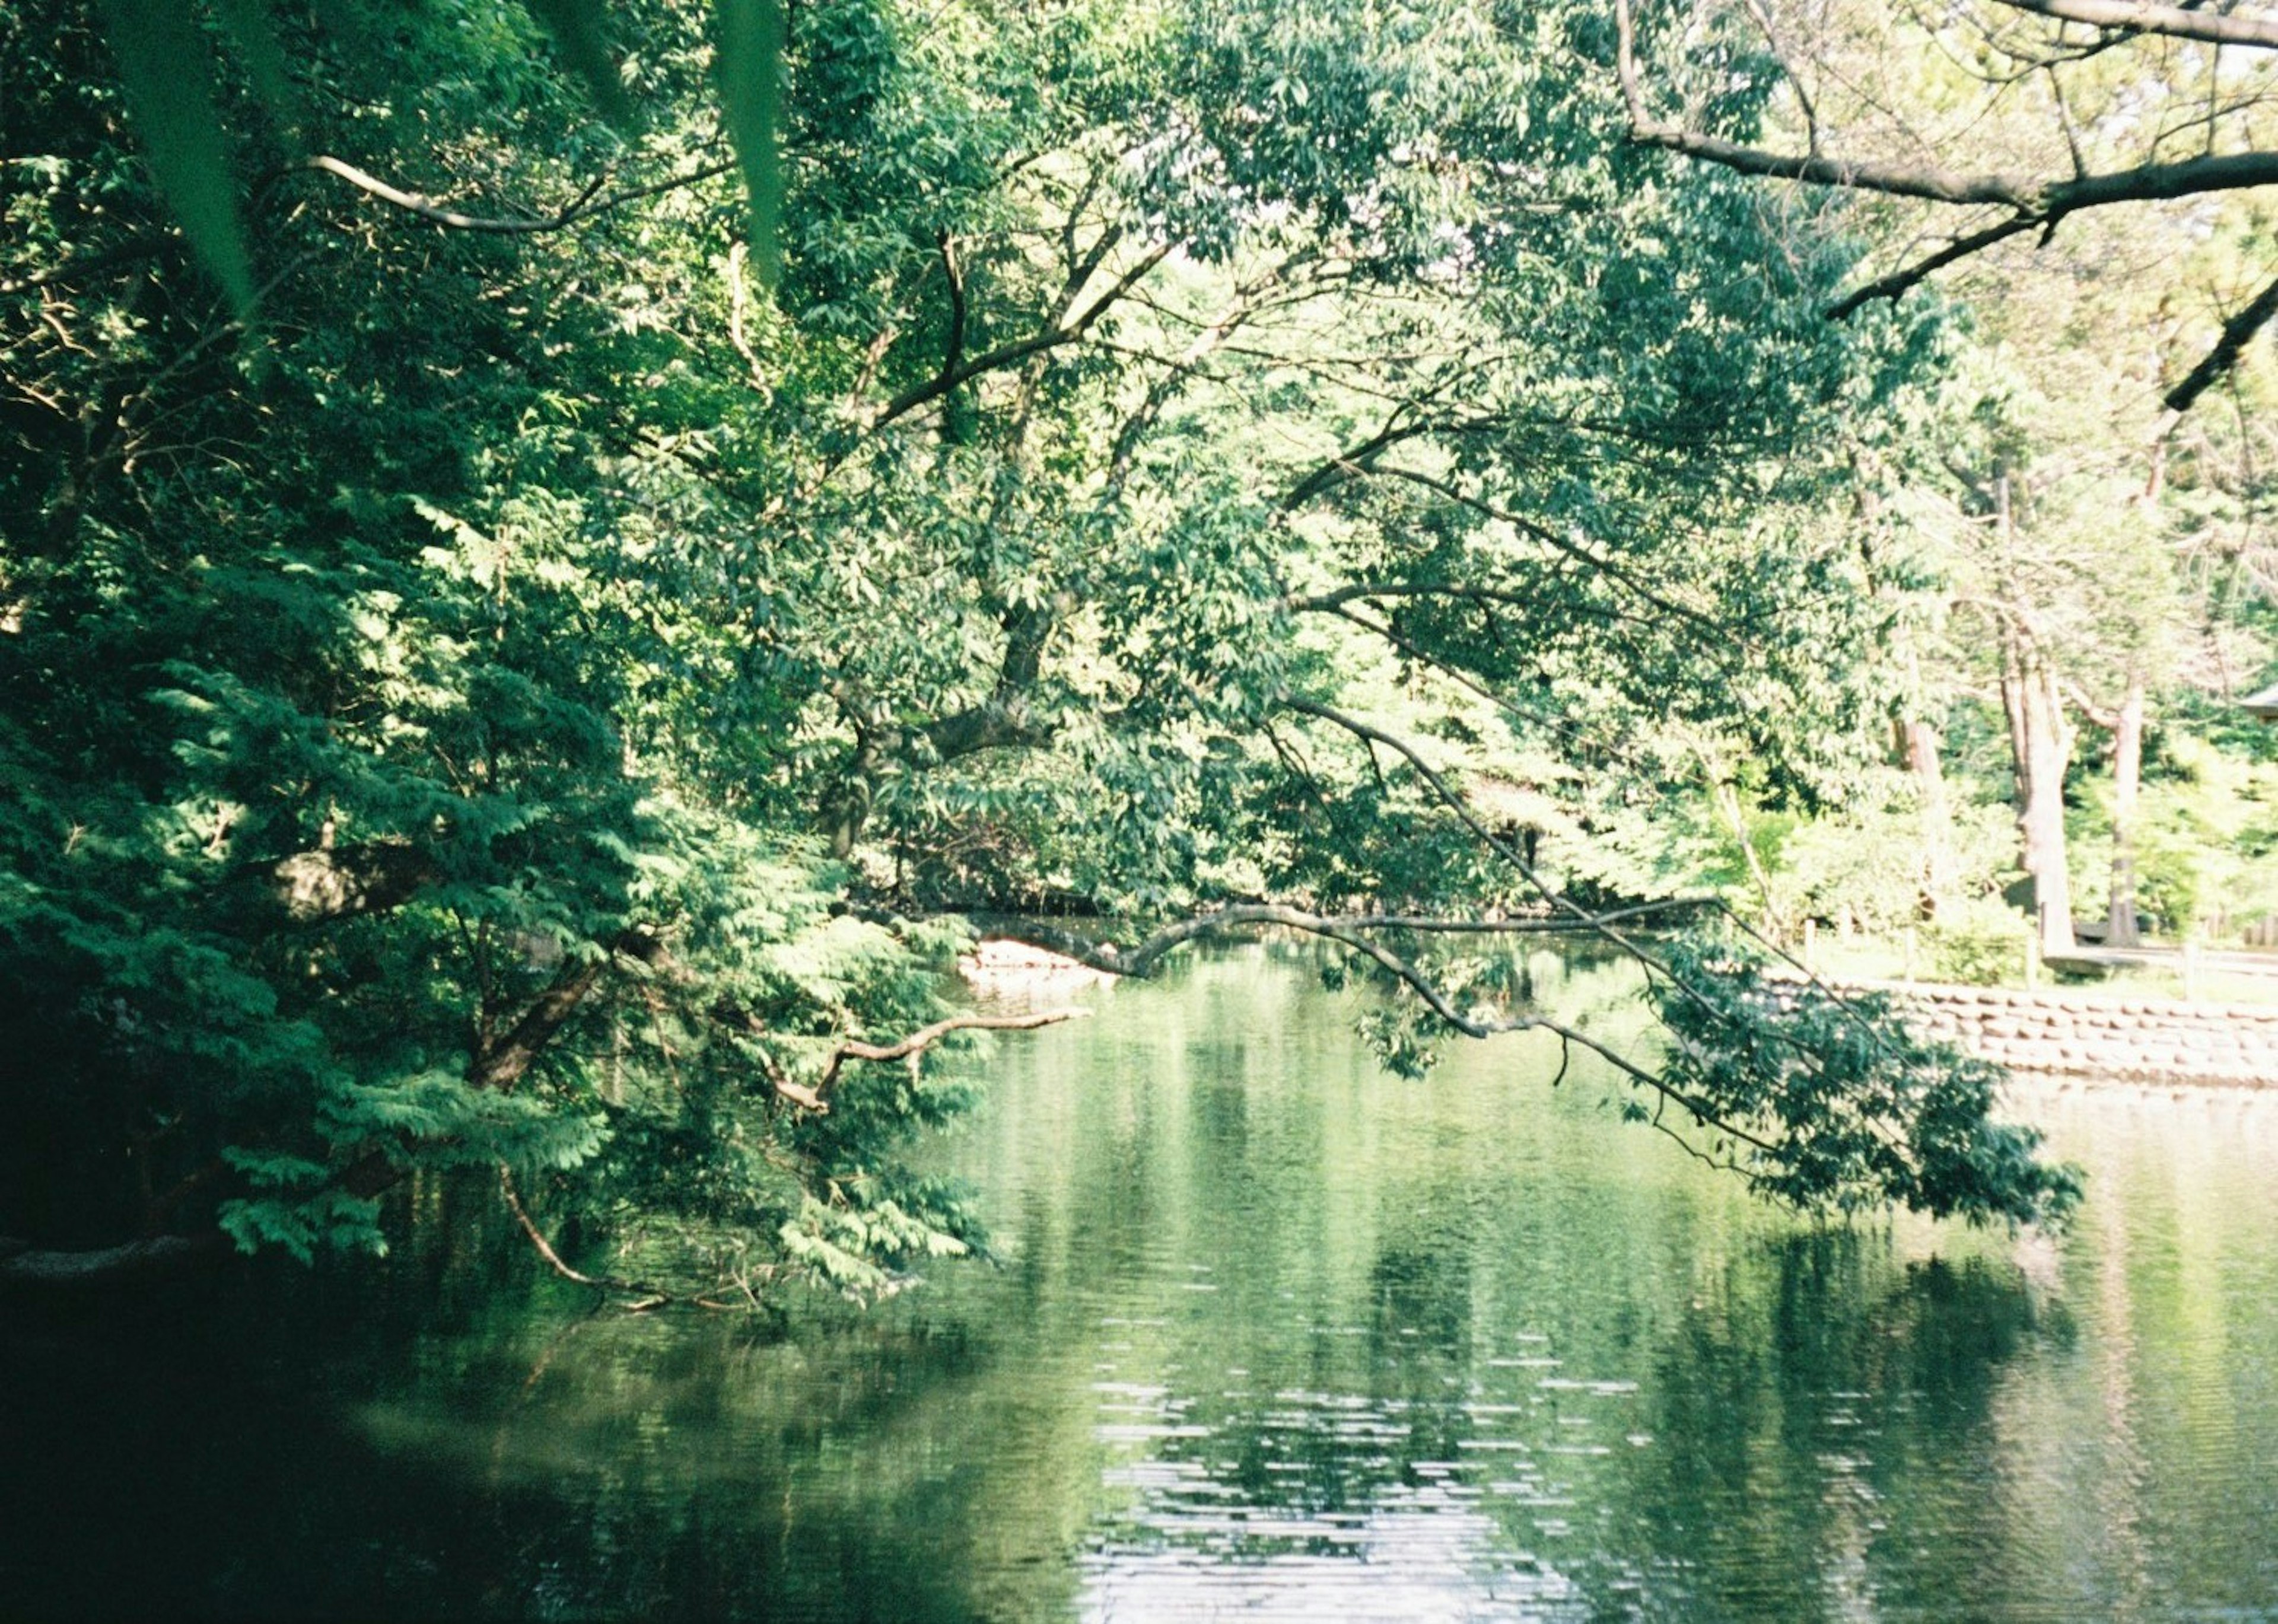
[1727, 801]
[2040, 744]
[1917, 744]
[2123, 929]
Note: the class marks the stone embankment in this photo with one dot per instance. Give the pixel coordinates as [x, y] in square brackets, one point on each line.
[2092, 1035]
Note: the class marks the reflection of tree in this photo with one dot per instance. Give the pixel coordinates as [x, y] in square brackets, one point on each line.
[1420, 1288]
[1813, 1396]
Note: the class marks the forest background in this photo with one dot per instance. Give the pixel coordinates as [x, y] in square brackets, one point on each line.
[555, 565]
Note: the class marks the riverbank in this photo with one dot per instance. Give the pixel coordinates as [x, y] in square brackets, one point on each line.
[2062, 1032]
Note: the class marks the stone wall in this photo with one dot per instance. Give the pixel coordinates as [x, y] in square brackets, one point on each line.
[2092, 1033]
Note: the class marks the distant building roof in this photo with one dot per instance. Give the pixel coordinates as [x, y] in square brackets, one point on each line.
[2262, 706]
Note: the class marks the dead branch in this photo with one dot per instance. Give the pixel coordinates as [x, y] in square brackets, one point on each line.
[924, 1038]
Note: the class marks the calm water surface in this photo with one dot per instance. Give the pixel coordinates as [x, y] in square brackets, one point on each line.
[1273, 1337]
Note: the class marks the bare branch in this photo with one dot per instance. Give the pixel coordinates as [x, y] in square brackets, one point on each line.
[2237, 332]
[917, 1043]
[2173, 21]
[1897, 180]
[1899, 281]
[652, 1295]
[585, 207]
[1066, 331]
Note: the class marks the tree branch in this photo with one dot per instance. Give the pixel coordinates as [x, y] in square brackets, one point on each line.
[137, 1259]
[1897, 180]
[1346, 934]
[500, 1065]
[585, 207]
[1066, 331]
[2031, 204]
[2043, 203]
[816, 1099]
[954, 351]
[651, 1296]
[1543, 533]
[1900, 281]
[2173, 21]
[2237, 332]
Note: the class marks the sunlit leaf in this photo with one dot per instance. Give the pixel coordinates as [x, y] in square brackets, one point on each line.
[166, 66]
[748, 67]
[580, 31]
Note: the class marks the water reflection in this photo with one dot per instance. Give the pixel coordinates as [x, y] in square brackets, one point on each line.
[1275, 1335]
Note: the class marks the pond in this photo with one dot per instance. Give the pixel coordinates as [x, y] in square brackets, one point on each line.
[1272, 1336]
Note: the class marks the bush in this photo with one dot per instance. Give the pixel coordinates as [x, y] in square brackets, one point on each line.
[1978, 942]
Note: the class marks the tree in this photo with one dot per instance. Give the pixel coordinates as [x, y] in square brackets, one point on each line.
[522, 705]
[2043, 119]
[2023, 115]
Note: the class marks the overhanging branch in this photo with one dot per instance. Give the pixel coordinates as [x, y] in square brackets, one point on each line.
[817, 1098]
[1581, 554]
[1348, 932]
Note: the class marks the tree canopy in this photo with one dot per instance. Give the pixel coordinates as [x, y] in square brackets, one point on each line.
[509, 683]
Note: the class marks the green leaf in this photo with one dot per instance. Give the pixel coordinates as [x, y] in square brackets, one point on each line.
[747, 66]
[352, 31]
[581, 35]
[166, 65]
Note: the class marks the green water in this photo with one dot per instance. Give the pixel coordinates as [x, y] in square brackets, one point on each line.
[1273, 1337]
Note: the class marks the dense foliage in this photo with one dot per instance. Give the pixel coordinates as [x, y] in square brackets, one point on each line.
[536, 699]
